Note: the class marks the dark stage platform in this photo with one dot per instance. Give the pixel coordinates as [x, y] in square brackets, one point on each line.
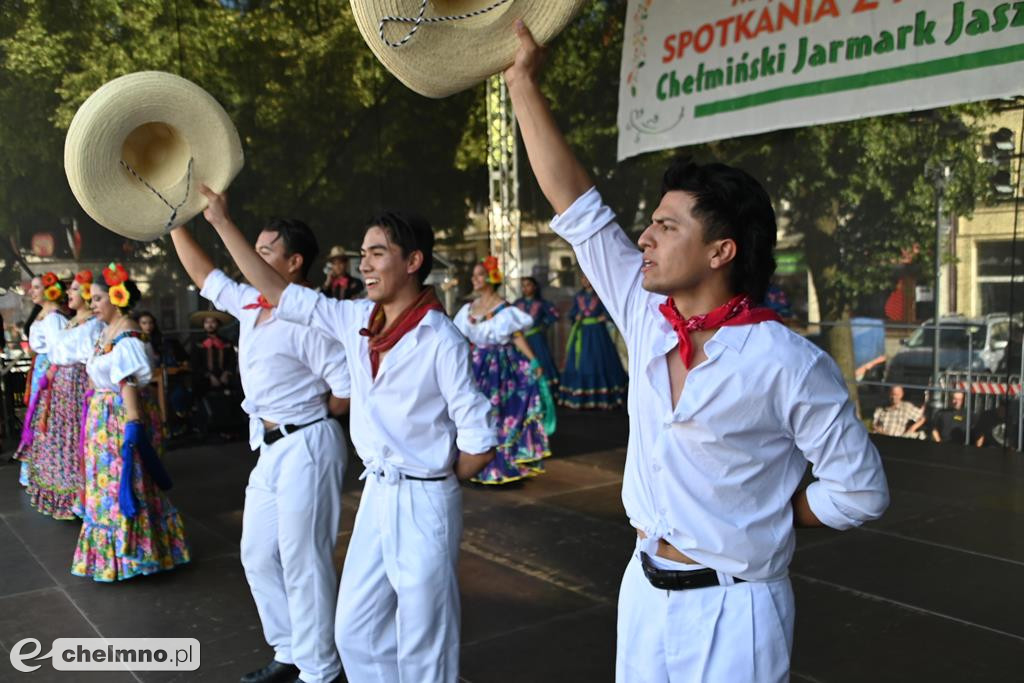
[932, 592]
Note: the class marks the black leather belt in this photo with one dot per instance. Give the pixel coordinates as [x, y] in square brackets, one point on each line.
[279, 432]
[402, 475]
[675, 580]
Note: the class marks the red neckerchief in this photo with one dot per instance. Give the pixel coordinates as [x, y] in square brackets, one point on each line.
[739, 310]
[383, 339]
[340, 282]
[261, 302]
[214, 343]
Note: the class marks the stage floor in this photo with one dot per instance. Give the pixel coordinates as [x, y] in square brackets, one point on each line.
[932, 592]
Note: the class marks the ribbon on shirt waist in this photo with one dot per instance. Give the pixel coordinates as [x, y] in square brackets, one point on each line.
[383, 469]
[533, 330]
[576, 335]
[27, 433]
[82, 436]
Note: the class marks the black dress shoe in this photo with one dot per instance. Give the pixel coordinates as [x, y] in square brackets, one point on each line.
[275, 672]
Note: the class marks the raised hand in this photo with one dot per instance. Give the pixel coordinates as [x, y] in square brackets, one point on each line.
[529, 57]
[216, 211]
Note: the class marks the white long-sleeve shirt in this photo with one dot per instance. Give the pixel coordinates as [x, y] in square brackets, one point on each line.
[714, 474]
[423, 402]
[287, 370]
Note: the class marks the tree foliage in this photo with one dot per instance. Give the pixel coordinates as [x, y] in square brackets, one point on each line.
[330, 136]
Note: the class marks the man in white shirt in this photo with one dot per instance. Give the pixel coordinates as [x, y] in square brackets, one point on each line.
[292, 378]
[726, 407]
[415, 408]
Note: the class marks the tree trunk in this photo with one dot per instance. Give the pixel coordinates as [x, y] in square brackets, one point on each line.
[822, 257]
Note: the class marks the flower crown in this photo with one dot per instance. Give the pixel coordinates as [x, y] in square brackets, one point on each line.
[115, 276]
[490, 264]
[84, 279]
[53, 288]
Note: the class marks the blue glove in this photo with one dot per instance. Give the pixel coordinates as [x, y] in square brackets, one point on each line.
[135, 440]
[133, 435]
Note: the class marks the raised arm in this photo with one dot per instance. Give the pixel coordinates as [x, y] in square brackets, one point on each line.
[605, 253]
[561, 176]
[254, 268]
[196, 262]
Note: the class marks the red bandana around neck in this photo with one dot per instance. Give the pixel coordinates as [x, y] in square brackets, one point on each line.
[383, 339]
[739, 310]
[340, 283]
[261, 302]
[214, 343]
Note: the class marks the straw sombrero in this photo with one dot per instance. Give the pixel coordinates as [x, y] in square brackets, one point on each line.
[439, 47]
[138, 148]
[197, 318]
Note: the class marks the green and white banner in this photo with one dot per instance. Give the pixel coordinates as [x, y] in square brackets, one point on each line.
[700, 70]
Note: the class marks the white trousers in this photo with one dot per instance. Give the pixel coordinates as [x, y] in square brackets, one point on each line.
[398, 605]
[721, 634]
[289, 530]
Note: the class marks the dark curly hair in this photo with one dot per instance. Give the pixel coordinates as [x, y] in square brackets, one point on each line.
[731, 204]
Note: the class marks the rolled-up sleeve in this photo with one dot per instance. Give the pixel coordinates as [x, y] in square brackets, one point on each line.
[606, 255]
[850, 486]
[468, 409]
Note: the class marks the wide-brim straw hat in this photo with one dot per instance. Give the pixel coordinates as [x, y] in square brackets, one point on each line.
[139, 147]
[197, 318]
[337, 252]
[460, 42]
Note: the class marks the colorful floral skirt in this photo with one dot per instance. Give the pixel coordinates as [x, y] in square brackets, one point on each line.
[55, 468]
[593, 377]
[39, 368]
[503, 375]
[112, 547]
[537, 338]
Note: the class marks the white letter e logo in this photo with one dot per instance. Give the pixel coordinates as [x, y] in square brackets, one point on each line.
[17, 657]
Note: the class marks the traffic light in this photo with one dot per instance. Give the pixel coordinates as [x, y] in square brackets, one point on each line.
[1000, 152]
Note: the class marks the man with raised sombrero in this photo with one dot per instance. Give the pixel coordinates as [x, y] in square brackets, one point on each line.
[727, 407]
[419, 425]
[134, 154]
[292, 379]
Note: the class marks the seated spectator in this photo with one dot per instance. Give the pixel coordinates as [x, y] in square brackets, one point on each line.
[216, 388]
[949, 424]
[173, 361]
[899, 418]
[339, 284]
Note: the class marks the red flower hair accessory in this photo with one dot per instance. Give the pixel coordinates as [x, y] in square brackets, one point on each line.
[490, 264]
[49, 279]
[114, 274]
[84, 280]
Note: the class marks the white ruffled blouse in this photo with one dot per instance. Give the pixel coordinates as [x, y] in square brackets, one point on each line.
[128, 358]
[75, 344]
[493, 330]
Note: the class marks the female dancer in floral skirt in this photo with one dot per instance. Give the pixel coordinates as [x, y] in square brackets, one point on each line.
[544, 314]
[506, 371]
[129, 526]
[50, 292]
[55, 473]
